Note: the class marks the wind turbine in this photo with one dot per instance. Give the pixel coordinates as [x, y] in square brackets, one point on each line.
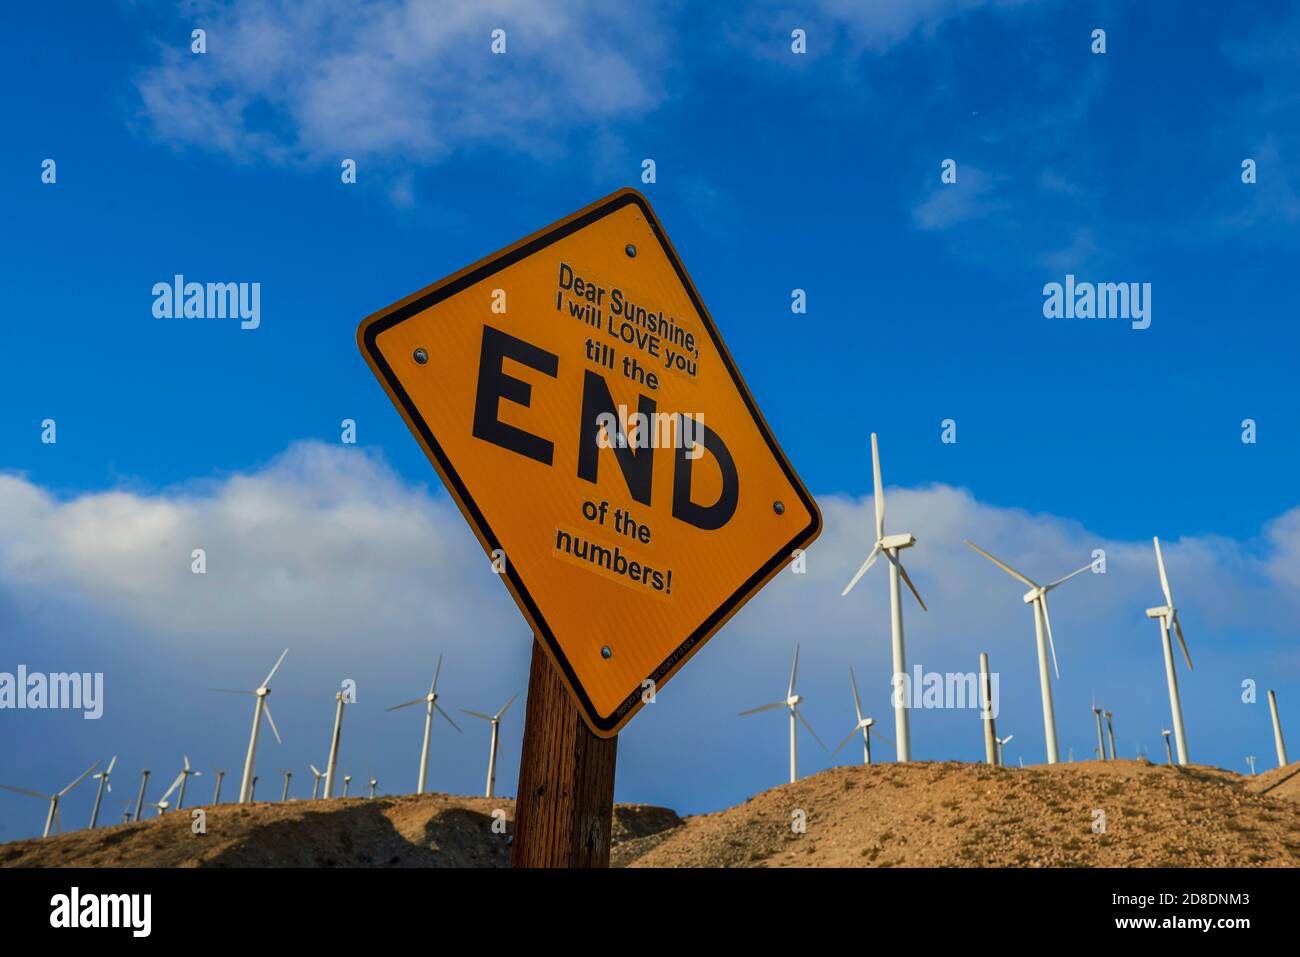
[347, 784]
[1250, 759]
[261, 708]
[99, 793]
[52, 818]
[216, 795]
[374, 783]
[791, 701]
[252, 790]
[430, 705]
[1101, 742]
[496, 729]
[332, 760]
[1002, 742]
[864, 725]
[986, 705]
[890, 546]
[287, 776]
[163, 803]
[139, 801]
[1168, 614]
[185, 779]
[1169, 752]
[1110, 733]
[1278, 741]
[1037, 596]
[316, 775]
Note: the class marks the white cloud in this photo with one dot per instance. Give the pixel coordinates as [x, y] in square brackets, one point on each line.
[950, 204]
[325, 550]
[296, 81]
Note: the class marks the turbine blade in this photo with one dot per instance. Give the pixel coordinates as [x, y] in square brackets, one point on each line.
[478, 714]
[506, 706]
[271, 673]
[407, 704]
[804, 722]
[766, 707]
[907, 579]
[1047, 620]
[846, 740]
[266, 710]
[175, 784]
[871, 560]
[10, 787]
[1164, 579]
[84, 774]
[436, 671]
[881, 735]
[1002, 565]
[794, 671]
[110, 766]
[857, 704]
[877, 488]
[1178, 627]
[1061, 581]
[448, 717]
[314, 770]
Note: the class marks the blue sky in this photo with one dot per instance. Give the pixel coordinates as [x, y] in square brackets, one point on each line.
[774, 172]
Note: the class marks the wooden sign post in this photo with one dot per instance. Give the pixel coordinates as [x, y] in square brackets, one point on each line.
[579, 404]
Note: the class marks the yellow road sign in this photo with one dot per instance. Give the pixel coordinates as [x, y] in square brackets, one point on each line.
[578, 402]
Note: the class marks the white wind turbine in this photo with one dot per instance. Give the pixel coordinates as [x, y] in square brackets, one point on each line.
[1002, 742]
[1250, 759]
[52, 818]
[1168, 615]
[186, 771]
[1037, 596]
[1169, 752]
[287, 775]
[164, 802]
[216, 795]
[430, 705]
[496, 734]
[864, 725]
[791, 701]
[102, 776]
[1110, 732]
[347, 784]
[139, 801]
[316, 775]
[332, 759]
[261, 708]
[890, 546]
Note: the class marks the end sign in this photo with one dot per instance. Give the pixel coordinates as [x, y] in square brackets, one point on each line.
[577, 400]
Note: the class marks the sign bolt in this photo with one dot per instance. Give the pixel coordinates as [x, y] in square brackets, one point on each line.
[779, 507]
[421, 356]
[630, 250]
[605, 652]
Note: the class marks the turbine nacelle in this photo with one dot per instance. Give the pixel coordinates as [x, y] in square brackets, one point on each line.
[901, 540]
[1164, 611]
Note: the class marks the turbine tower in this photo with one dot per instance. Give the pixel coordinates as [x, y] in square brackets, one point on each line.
[1101, 742]
[316, 775]
[287, 776]
[864, 725]
[1168, 615]
[347, 784]
[890, 546]
[1037, 596]
[1169, 751]
[1110, 733]
[430, 705]
[139, 801]
[1278, 740]
[1002, 742]
[1250, 759]
[52, 817]
[986, 703]
[216, 795]
[261, 708]
[496, 733]
[791, 701]
[99, 793]
[332, 761]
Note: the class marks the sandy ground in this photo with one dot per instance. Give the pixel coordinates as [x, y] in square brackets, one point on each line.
[924, 814]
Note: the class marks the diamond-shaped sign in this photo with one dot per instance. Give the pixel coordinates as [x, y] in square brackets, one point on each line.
[580, 406]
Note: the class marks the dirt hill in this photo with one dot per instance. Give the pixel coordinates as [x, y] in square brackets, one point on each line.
[942, 814]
